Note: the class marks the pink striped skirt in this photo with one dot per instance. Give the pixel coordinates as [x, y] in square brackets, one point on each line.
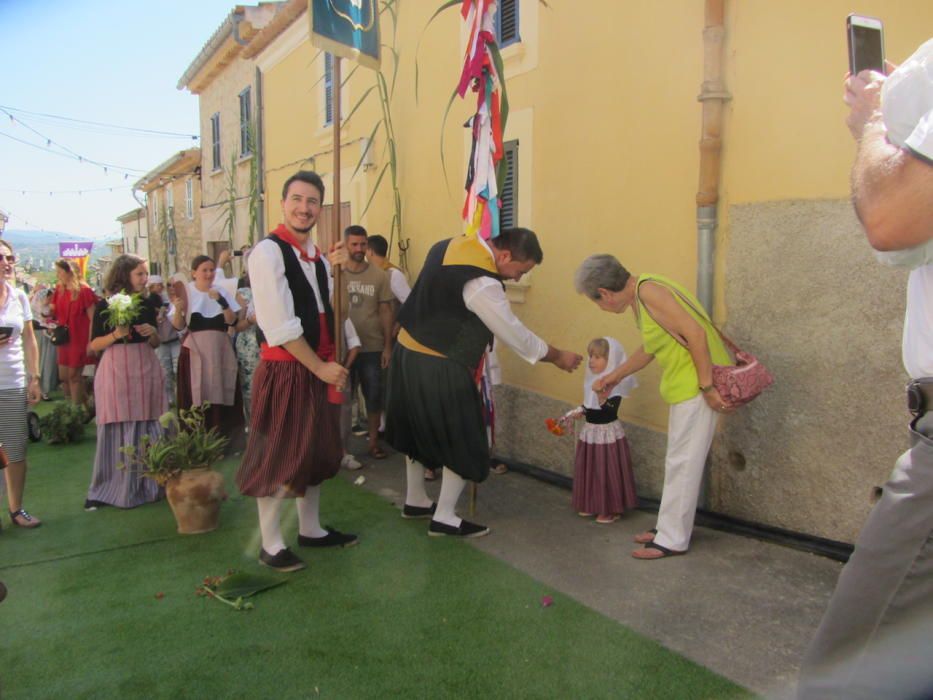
[294, 433]
[129, 385]
[603, 482]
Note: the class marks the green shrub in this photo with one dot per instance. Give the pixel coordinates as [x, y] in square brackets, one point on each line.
[64, 423]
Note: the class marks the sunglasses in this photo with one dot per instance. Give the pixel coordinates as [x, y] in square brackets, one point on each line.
[8, 258]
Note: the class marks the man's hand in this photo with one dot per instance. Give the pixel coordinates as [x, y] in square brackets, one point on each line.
[863, 95]
[386, 357]
[332, 373]
[567, 360]
[338, 253]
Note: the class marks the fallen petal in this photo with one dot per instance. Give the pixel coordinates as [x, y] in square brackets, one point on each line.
[547, 601]
[360, 480]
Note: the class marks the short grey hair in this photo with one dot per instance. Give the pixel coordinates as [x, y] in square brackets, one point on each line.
[600, 272]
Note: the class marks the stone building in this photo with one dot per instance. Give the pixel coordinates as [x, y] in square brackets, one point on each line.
[134, 229]
[173, 198]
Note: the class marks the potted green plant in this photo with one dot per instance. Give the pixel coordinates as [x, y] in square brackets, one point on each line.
[181, 461]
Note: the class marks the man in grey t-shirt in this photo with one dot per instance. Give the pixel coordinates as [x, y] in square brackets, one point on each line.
[369, 298]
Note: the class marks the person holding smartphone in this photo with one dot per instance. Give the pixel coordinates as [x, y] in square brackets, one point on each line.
[19, 383]
[874, 640]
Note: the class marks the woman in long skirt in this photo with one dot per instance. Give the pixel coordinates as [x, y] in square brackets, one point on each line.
[207, 366]
[128, 391]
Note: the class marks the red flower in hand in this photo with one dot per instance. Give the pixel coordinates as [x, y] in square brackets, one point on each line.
[554, 427]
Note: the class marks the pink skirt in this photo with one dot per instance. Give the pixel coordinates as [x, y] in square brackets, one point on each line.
[603, 482]
[129, 385]
[213, 368]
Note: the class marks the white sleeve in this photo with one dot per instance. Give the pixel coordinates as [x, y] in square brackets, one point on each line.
[275, 308]
[485, 297]
[353, 340]
[399, 285]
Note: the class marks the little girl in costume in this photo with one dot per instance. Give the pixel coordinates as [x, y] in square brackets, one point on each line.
[603, 482]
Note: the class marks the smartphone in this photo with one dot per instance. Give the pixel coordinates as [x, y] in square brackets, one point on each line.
[238, 253]
[5, 332]
[866, 43]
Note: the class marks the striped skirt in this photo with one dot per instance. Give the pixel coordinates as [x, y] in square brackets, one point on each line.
[123, 488]
[13, 429]
[294, 433]
[48, 363]
[603, 482]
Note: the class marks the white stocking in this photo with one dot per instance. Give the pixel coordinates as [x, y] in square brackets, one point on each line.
[309, 513]
[451, 488]
[270, 511]
[414, 476]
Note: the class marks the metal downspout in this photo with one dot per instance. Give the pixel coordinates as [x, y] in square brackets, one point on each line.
[261, 158]
[713, 96]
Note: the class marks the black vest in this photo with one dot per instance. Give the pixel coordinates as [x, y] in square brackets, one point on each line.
[434, 313]
[303, 294]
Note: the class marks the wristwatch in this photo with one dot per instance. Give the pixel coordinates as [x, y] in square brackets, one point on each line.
[705, 389]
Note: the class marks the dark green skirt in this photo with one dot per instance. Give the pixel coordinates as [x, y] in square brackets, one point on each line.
[434, 414]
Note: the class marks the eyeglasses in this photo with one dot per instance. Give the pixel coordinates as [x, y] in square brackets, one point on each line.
[8, 258]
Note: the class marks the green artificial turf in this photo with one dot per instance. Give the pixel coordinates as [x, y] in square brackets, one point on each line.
[103, 604]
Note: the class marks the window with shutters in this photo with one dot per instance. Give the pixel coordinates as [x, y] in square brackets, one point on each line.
[507, 23]
[245, 146]
[215, 141]
[154, 211]
[328, 89]
[155, 268]
[189, 198]
[508, 192]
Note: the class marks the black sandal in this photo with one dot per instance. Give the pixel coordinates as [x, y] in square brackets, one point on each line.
[31, 522]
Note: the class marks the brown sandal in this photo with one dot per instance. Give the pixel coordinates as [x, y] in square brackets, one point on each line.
[377, 452]
[646, 536]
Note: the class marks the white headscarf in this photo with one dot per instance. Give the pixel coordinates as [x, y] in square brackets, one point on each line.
[616, 357]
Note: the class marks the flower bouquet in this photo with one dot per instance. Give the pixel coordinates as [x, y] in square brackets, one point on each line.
[559, 427]
[122, 310]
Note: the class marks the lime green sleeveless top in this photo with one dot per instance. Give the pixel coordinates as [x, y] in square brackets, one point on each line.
[679, 380]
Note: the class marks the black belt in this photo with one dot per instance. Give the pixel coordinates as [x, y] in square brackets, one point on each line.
[920, 395]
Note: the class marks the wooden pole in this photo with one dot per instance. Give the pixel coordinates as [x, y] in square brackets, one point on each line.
[335, 227]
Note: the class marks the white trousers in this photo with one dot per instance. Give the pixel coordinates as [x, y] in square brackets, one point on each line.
[689, 434]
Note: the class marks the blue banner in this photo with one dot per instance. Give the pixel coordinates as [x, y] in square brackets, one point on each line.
[348, 29]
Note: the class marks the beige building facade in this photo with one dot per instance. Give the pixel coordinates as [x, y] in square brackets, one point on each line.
[134, 229]
[604, 132]
[173, 198]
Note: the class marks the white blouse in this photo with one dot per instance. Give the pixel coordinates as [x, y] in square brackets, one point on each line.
[15, 313]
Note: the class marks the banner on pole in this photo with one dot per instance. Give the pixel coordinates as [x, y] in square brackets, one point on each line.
[348, 29]
[79, 252]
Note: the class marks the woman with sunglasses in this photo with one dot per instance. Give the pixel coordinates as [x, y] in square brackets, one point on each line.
[19, 383]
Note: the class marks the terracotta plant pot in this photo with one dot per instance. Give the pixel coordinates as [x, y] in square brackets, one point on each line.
[195, 496]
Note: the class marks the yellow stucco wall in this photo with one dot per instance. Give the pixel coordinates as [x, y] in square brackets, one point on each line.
[608, 122]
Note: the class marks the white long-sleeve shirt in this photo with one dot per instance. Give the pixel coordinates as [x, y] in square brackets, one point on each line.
[275, 307]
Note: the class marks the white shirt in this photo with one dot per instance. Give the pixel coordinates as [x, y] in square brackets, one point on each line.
[16, 313]
[275, 307]
[907, 109]
[202, 303]
[485, 297]
[398, 284]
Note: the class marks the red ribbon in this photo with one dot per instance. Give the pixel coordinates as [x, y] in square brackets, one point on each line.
[284, 234]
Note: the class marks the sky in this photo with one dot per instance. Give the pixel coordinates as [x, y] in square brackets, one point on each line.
[103, 61]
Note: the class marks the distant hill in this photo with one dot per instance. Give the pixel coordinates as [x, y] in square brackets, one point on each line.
[39, 249]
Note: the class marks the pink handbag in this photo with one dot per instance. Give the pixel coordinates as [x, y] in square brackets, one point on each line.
[737, 384]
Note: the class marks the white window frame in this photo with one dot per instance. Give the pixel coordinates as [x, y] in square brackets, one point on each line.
[189, 198]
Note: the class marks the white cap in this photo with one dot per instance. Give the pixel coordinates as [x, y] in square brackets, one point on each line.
[155, 279]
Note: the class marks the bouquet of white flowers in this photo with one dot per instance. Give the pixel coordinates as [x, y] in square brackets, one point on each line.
[122, 309]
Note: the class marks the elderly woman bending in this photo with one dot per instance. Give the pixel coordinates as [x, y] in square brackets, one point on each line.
[686, 346]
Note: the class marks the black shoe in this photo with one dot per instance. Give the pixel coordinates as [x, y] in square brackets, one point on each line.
[284, 561]
[359, 430]
[333, 538]
[466, 529]
[90, 505]
[417, 512]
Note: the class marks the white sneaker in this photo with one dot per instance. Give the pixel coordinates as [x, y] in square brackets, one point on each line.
[350, 462]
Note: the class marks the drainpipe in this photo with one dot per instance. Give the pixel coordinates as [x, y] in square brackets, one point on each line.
[261, 158]
[713, 96]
